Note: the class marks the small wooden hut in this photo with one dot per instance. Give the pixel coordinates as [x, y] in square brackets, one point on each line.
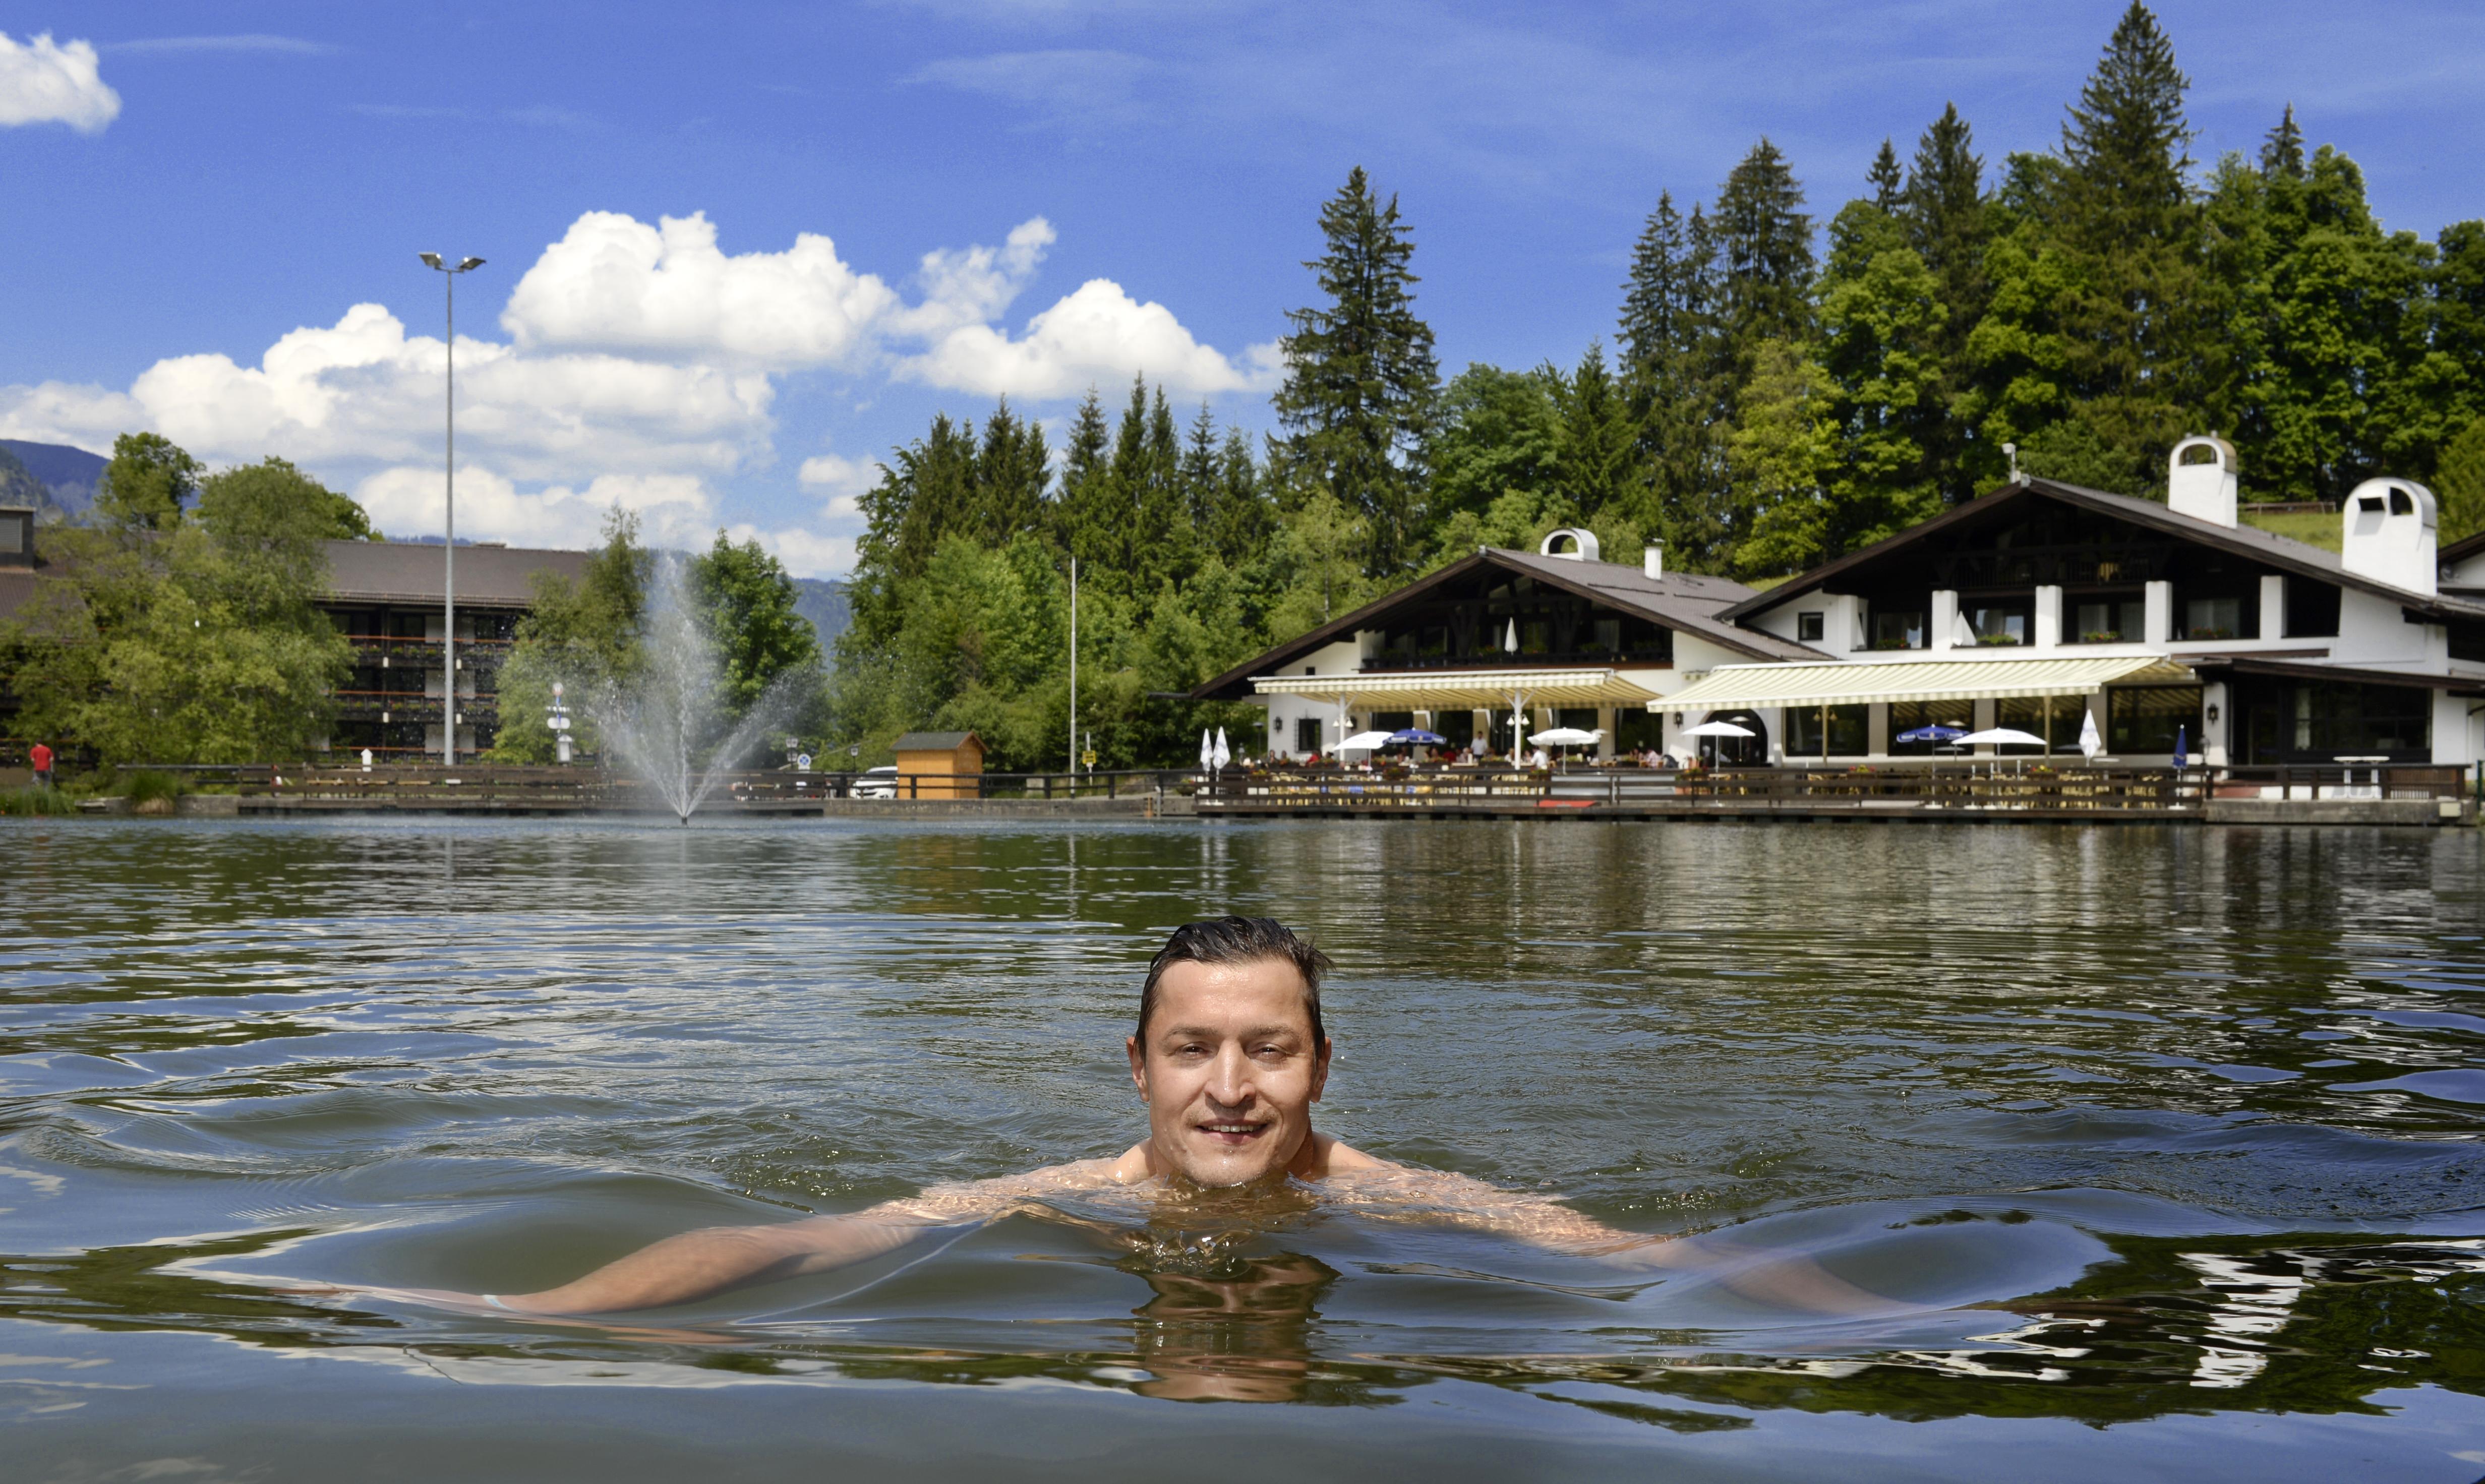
[940, 766]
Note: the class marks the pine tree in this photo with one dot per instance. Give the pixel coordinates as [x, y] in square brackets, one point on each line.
[2138, 321]
[1012, 470]
[1357, 401]
[1949, 226]
[2282, 153]
[1764, 256]
[1887, 180]
[1673, 381]
[1245, 521]
[1592, 463]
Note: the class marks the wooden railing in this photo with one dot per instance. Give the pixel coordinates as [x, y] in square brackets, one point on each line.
[1963, 788]
[341, 783]
[2346, 780]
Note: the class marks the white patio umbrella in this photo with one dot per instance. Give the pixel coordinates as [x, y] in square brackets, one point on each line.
[1223, 755]
[1717, 729]
[1366, 740]
[2091, 744]
[1207, 750]
[2000, 736]
[1564, 737]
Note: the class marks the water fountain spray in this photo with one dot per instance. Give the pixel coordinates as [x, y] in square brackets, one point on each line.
[665, 725]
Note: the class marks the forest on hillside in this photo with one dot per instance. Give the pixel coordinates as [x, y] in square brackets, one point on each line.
[1776, 393]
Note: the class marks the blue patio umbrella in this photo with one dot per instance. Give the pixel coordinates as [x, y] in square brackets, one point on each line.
[2182, 745]
[1936, 731]
[1418, 736]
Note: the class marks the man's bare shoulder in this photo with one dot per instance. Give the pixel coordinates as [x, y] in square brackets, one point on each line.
[1334, 1156]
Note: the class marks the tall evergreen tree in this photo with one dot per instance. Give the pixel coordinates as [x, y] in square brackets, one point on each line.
[1673, 381]
[1764, 256]
[1357, 401]
[1888, 181]
[1594, 467]
[2138, 321]
[1012, 469]
[2282, 153]
[1949, 227]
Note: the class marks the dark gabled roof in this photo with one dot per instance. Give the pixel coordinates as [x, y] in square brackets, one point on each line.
[1686, 603]
[2248, 542]
[398, 572]
[411, 572]
[933, 742]
[2462, 549]
[2273, 664]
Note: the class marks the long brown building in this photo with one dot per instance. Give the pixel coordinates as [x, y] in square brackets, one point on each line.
[387, 598]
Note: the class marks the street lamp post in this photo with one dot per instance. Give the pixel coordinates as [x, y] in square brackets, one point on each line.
[449, 558]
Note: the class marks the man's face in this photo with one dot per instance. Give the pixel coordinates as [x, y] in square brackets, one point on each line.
[1230, 1070]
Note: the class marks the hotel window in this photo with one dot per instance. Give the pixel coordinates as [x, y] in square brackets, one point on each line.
[1808, 626]
[1307, 734]
[2213, 618]
[2146, 718]
[2109, 620]
[1828, 731]
[1898, 630]
[1999, 624]
[1906, 716]
[2055, 718]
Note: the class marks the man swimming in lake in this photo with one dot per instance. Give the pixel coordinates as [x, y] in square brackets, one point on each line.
[1230, 1054]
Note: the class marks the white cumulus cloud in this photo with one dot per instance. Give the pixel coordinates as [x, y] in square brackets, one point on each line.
[42, 81]
[804, 553]
[1097, 335]
[673, 510]
[641, 368]
[614, 283]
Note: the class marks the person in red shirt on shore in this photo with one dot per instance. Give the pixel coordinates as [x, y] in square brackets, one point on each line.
[41, 757]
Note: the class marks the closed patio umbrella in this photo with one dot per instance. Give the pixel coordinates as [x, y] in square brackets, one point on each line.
[2091, 744]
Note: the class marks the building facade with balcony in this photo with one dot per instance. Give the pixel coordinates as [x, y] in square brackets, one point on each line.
[2042, 606]
[386, 597]
[1502, 644]
[2039, 606]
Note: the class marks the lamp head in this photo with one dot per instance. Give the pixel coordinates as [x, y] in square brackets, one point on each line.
[469, 264]
[430, 260]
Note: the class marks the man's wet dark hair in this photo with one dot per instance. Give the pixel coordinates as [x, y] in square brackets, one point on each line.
[1232, 940]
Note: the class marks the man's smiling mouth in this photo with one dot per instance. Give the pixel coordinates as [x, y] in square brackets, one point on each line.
[1233, 1133]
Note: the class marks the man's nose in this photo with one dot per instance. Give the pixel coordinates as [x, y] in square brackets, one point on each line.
[1229, 1080]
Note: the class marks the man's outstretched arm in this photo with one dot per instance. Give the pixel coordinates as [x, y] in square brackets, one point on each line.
[697, 1264]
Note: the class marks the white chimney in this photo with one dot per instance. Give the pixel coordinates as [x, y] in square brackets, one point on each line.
[2204, 490]
[2390, 536]
[1583, 544]
[1652, 559]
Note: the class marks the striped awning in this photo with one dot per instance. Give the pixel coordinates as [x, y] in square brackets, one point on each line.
[1857, 682]
[1450, 689]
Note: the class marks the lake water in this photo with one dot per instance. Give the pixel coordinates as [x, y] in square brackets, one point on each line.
[2165, 1139]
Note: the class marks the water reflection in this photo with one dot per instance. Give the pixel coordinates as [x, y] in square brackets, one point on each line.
[2228, 1081]
[1242, 1334]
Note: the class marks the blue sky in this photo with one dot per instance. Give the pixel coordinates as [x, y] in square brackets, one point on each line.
[213, 208]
